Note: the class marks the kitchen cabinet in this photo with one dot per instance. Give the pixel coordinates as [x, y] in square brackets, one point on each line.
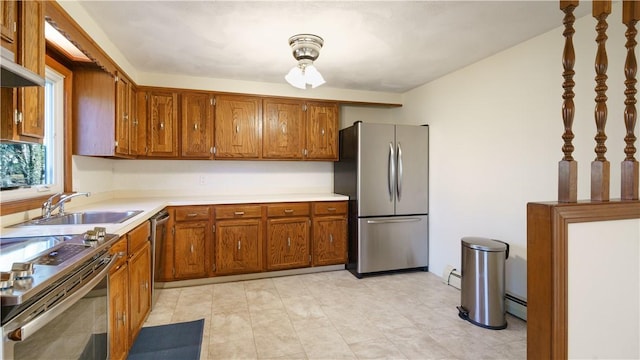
[119, 302]
[287, 239]
[196, 125]
[25, 120]
[283, 129]
[162, 123]
[192, 238]
[105, 116]
[237, 133]
[322, 129]
[8, 25]
[329, 233]
[139, 264]
[238, 234]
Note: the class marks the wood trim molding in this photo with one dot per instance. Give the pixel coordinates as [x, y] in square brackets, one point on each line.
[547, 284]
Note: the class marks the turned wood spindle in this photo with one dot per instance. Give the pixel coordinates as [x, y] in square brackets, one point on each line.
[600, 168]
[629, 173]
[568, 167]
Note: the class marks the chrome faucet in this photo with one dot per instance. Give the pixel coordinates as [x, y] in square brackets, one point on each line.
[48, 207]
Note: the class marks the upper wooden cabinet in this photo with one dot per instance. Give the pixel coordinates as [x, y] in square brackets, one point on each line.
[238, 127]
[162, 126]
[23, 108]
[283, 129]
[322, 131]
[8, 25]
[127, 124]
[196, 125]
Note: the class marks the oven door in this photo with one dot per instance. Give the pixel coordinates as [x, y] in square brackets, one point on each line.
[73, 327]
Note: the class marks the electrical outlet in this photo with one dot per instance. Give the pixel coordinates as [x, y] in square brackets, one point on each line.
[203, 180]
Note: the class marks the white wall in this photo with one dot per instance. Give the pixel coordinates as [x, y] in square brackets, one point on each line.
[495, 139]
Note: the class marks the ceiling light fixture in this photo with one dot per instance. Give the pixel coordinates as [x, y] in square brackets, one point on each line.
[306, 49]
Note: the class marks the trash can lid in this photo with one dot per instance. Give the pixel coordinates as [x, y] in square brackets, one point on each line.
[484, 244]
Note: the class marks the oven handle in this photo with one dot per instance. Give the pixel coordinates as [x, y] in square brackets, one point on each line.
[23, 333]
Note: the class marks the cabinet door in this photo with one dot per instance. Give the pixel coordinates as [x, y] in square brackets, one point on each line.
[329, 240]
[123, 120]
[238, 246]
[135, 124]
[163, 129]
[8, 12]
[197, 125]
[322, 131]
[139, 289]
[237, 128]
[190, 250]
[31, 54]
[287, 243]
[118, 312]
[282, 129]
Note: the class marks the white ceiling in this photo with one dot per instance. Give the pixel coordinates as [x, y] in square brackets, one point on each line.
[388, 46]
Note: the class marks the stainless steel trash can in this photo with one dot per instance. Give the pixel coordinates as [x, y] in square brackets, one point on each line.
[483, 290]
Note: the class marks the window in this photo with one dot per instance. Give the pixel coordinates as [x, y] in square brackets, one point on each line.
[32, 170]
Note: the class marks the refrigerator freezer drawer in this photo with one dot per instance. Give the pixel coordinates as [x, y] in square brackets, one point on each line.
[392, 243]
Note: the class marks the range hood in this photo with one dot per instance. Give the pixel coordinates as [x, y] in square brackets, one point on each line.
[14, 75]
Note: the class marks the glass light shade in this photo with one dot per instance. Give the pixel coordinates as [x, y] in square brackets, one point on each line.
[300, 76]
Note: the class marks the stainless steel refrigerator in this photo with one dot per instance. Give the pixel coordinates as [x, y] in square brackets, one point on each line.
[384, 170]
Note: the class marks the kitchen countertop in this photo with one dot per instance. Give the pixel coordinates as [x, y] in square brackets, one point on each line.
[150, 206]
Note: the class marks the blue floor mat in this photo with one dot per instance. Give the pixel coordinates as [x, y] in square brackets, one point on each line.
[173, 341]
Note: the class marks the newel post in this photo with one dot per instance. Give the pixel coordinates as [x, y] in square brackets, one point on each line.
[629, 173]
[568, 167]
[600, 167]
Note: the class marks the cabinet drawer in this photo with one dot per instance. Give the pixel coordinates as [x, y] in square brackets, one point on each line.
[329, 207]
[139, 236]
[119, 249]
[288, 209]
[192, 213]
[238, 211]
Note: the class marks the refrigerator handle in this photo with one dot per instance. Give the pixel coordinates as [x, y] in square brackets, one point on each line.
[399, 181]
[391, 171]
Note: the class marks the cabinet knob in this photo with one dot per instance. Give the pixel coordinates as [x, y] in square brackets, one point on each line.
[161, 126]
[195, 126]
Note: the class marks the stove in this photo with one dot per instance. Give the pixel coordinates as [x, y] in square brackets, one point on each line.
[30, 265]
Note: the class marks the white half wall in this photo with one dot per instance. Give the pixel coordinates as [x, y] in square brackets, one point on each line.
[495, 139]
[603, 304]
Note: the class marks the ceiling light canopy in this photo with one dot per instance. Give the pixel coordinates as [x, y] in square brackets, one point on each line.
[306, 49]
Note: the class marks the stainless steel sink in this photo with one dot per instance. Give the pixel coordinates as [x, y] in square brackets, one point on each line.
[87, 217]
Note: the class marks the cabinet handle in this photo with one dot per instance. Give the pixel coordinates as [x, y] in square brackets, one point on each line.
[322, 132]
[161, 126]
[146, 285]
[284, 129]
[237, 129]
[195, 126]
[124, 318]
[331, 238]
[289, 242]
[191, 248]
[331, 209]
[192, 214]
[288, 211]
[239, 213]
[239, 241]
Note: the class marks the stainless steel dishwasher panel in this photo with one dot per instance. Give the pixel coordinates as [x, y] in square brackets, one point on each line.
[158, 238]
[392, 243]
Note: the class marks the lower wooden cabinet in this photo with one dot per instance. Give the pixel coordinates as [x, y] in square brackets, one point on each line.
[238, 246]
[288, 243]
[230, 239]
[129, 289]
[119, 305]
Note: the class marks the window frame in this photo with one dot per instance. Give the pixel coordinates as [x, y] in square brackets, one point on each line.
[15, 206]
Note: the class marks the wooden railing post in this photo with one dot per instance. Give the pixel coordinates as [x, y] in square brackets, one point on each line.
[629, 173]
[600, 168]
[568, 167]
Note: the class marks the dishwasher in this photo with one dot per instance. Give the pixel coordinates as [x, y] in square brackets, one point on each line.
[158, 239]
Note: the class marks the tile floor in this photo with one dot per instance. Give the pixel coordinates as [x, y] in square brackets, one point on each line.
[333, 315]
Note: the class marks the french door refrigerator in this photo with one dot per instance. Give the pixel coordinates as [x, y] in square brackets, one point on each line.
[384, 170]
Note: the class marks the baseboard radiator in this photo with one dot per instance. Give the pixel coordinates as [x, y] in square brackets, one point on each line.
[514, 305]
